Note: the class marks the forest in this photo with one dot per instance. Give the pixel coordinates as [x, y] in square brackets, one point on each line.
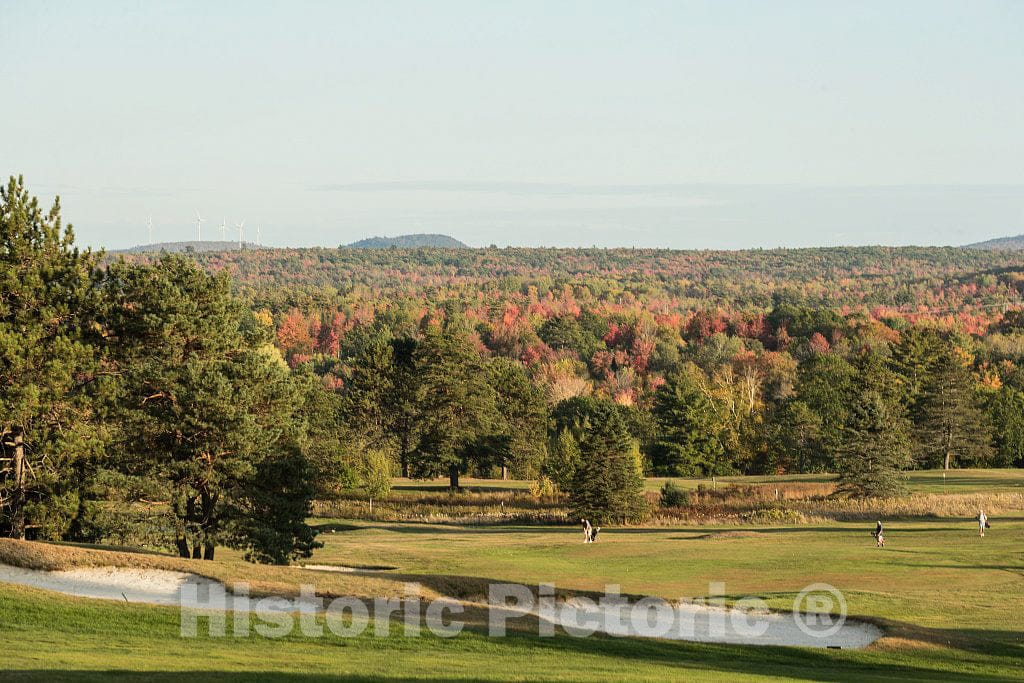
[216, 395]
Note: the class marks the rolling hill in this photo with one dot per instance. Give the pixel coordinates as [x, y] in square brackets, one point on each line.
[177, 247]
[409, 241]
[1015, 242]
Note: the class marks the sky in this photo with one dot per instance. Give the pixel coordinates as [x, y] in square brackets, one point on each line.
[683, 124]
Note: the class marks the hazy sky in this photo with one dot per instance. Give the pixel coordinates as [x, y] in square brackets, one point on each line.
[682, 124]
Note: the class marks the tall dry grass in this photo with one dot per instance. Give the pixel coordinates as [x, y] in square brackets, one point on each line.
[759, 504]
[947, 505]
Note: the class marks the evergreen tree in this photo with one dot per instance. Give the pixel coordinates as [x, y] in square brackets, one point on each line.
[609, 484]
[824, 384]
[267, 512]
[876, 447]
[950, 427]
[210, 409]
[50, 437]
[563, 460]
[918, 351]
[456, 403]
[329, 448]
[689, 429]
[368, 357]
[522, 416]
[402, 407]
[800, 437]
[1006, 414]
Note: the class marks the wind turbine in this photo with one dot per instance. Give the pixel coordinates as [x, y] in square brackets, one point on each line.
[240, 226]
[149, 223]
[223, 230]
[259, 235]
[199, 226]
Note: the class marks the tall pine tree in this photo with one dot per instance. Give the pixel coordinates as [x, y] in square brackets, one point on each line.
[876, 447]
[608, 485]
[689, 443]
[49, 434]
[210, 409]
[950, 426]
[456, 403]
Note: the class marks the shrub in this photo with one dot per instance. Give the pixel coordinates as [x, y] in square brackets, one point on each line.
[674, 496]
[542, 487]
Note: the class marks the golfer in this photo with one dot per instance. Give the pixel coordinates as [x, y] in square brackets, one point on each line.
[982, 523]
[586, 530]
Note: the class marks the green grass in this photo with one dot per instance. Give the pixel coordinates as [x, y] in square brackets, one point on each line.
[952, 602]
[71, 640]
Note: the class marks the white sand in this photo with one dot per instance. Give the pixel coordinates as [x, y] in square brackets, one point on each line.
[328, 568]
[692, 622]
[341, 568]
[154, 586]
[149, 586]
[710, 624]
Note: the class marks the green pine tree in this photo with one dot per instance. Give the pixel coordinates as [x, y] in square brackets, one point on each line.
[50, 435]
[210, 409]
[876, 446]
[368, 357]
[522, 418]
[609, 484]
[456, 403]
[1006, 413]
[563, 460]
[950, 426]
[689, 429]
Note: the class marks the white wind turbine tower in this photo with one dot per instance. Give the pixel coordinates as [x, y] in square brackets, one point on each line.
[223, 230]
[199, 226]
[240, 226]
[259, 236]
[149, 224]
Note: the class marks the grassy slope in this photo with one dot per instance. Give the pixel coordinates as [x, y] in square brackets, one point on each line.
[952, 603]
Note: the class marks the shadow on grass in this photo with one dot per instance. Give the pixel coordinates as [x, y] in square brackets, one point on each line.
[444, 488]
[451, 529]
[679, 660]
[995, 567]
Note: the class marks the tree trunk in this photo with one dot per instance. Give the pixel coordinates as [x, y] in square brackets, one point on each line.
[182, 546]
[453, 477]
[405, 467]
[197, 550]
[504, 472]
[18, 502]
[208, 551]
[948, 458]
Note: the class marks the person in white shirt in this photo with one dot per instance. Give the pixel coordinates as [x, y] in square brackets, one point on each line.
[586, 531]
[982, 523]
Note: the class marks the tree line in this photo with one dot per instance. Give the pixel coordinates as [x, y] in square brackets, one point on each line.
[152, 393]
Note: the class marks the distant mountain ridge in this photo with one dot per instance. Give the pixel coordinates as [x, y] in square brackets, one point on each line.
[409, 242]
[178, 247]
[1015, 242]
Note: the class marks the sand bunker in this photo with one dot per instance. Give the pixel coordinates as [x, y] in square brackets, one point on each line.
[149, 586]
[341, 568]
[153, 586]
[700, 623]
[711, 624]
[327, 568]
